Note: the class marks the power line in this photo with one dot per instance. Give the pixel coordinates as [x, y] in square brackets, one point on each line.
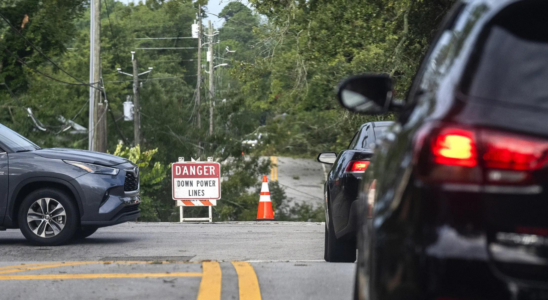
[167, 38]
[44, 74]
[35, 120]
[42, 53]
[161, 78]
[168, 48]
[117, 128]
[174, 60]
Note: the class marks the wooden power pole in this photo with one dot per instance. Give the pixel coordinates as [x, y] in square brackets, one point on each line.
[211, 82]
[199, 64]
[95, 72]
[136, 108]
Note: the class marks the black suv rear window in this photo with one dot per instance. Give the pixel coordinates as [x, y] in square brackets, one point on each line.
[510, 64]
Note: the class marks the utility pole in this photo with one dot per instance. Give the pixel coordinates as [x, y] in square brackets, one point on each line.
[211, 83]
[95, 71]
[136, 109]
[199, 63]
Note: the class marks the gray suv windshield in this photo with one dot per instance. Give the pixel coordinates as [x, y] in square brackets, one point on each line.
[14, 141]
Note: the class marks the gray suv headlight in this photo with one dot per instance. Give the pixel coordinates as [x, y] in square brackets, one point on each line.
[95, 169]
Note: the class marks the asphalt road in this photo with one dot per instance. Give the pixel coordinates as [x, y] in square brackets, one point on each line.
[240, 260]
[302, 179]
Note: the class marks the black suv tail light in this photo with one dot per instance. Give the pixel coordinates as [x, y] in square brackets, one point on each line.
[357, 166]
[460, 154]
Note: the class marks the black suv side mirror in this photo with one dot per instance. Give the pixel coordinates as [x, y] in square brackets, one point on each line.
[327, 157]
[367, 94]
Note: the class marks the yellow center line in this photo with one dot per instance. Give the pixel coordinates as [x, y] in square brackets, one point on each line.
[26, 265]
[274, 168]
[248, 283]
[271, 168]
[210, 287]
[98, 276]
[24, 268]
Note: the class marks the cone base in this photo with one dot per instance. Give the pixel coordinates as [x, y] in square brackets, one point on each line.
[266, 220]
[265, 211]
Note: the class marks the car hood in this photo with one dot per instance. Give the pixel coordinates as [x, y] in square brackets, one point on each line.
[97, 158]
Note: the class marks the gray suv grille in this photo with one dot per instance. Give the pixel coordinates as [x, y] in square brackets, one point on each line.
[132, 181]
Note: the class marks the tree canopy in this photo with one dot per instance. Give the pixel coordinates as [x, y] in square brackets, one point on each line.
[281, 62]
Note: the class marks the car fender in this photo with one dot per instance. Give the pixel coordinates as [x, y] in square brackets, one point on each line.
[66, 181]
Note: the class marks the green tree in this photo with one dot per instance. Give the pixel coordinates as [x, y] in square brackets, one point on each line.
[151, 178]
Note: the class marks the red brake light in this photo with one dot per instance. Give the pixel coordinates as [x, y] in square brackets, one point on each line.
[451, 153]
[357, 166]
[512, 152]
[456, 147]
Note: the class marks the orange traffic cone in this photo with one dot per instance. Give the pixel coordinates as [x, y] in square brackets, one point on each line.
[265, 212]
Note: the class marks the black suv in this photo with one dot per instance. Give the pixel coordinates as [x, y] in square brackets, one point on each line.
[53, 195]
[461, 199]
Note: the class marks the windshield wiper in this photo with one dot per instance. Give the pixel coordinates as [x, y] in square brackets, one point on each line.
[23, 151]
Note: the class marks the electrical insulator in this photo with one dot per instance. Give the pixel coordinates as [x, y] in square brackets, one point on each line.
[128, 111]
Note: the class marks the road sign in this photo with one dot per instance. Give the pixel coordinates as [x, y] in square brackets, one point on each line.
[196, 181]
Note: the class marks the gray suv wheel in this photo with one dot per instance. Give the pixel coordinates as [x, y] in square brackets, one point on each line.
[48, 217]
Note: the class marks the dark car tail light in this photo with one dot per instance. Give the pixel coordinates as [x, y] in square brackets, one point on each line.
[460, 154]
[357, 166]
[513, 152]
[454, 146]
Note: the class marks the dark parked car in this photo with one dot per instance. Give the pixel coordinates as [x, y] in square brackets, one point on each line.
[341, 190]
[461, 201]
[53, 195]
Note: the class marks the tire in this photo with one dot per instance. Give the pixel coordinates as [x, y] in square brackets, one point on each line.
[326, 247]
[48, 217]
[360, 285]
[357, 287]
[84, 232]
[338, 250]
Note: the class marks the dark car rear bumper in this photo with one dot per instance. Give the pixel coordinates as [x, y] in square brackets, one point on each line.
[450, 253]
[462, 278]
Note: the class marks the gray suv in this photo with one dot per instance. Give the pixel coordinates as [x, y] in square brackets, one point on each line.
[53, 195]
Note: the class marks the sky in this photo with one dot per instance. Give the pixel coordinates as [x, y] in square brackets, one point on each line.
[214, 7]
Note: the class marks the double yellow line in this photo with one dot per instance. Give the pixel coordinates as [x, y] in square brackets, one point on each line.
[273, 168]
[210, 286]
[248, 284]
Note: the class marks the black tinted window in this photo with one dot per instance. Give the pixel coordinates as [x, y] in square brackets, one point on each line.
[511, 65]
[354, 140]
[379, 131]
